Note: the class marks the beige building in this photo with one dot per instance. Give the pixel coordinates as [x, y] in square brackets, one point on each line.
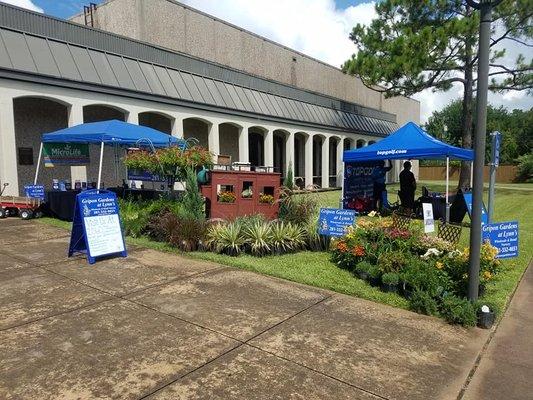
[161, 64]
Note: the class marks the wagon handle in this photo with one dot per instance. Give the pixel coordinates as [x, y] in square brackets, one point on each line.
[3, 188]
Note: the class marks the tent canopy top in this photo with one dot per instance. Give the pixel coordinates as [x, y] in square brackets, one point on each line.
[112, 132]
[408, 142]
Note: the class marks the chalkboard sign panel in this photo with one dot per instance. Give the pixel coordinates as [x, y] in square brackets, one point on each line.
[96, 229]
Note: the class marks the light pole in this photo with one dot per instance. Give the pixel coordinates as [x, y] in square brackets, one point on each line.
[485, 11]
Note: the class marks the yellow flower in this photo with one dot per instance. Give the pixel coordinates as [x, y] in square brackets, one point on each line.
[465, 276]
[487, 275]
[439, 265]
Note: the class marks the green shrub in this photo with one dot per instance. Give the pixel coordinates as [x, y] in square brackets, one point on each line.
[315, 242]
[460, 311]
[248, 220]
[525, 168]
[423, 303]
[226, 238]
[363, 266]
[257, 238]
[423, 276]
[393, 261]
[285, 237]
[297, 208]
[390, 278]
[288, 182]
[374, 272]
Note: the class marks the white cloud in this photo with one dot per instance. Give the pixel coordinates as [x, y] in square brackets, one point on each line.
[318, 29]
[313, 27]
[24, 4]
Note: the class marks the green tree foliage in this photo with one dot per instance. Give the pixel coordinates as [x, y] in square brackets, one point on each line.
[413, 45]
[516, 127]
[193, 203]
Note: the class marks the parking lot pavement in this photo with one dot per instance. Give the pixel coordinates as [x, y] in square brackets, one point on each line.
[161, 326]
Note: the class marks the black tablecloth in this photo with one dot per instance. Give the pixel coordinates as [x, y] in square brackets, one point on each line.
[136, 194]
[60, 204]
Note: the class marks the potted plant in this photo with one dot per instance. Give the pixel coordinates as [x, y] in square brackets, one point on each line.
[389, 282]
[361, 270]
[374, 274]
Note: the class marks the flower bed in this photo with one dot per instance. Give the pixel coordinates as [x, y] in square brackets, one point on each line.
[430, 272]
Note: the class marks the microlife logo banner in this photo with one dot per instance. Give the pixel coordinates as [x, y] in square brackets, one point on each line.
[65, 154]
[390, 152]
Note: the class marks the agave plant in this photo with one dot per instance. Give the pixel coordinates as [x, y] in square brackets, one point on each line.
[258, 238]
[226, 238]
[279, 238]
[295, 236]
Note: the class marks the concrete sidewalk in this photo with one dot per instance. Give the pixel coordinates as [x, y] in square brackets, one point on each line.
[160, 326]
[505, 370]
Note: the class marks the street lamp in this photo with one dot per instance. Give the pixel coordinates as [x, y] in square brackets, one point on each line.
[485, 11]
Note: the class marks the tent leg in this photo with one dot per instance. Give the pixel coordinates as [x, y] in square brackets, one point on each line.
[38, 164]
[100, 165]
[447, 188]
[471, 173]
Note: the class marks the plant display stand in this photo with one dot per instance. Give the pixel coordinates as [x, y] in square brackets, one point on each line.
[230, 194]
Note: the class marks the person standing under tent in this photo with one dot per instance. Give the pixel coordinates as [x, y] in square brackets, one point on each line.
[378, 178]
[407, 187]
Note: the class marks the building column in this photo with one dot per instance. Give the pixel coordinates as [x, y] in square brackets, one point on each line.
[243, 145]
[213, 139]
[340, 164]
[268, 148]
[133, 117]
[177, 127]
[308, 163]
[289, 153]
[75, 117]
[325, 162]
[8, 147]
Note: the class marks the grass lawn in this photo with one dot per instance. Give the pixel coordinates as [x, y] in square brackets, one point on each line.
[315, 268]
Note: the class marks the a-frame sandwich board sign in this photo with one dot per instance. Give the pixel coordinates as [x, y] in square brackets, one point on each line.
[96, 228]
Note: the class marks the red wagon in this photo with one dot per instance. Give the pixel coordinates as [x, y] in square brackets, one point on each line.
[24, 207]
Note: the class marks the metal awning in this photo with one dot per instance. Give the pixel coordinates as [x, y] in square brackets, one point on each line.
[48, 57]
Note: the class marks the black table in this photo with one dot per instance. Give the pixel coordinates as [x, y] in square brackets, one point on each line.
[136, 194]
[60, 204]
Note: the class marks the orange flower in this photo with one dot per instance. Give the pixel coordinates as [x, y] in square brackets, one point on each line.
[341, 246]
[358, 251]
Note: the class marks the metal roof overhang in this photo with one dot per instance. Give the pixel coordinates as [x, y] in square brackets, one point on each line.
[44, 59]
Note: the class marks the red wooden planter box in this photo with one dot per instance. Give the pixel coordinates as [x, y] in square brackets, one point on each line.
[242, 183]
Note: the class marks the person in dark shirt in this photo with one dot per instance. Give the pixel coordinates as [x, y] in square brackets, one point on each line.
[378, 177]
[407, 186]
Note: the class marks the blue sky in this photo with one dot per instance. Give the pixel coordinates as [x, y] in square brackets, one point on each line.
[67, 8]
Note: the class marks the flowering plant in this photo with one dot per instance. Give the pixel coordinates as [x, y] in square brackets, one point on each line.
[266, 198]
[227, 197]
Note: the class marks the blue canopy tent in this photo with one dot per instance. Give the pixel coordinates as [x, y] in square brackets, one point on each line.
[112, 132]
[410, 142]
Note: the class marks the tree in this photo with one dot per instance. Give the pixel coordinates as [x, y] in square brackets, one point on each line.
[516, 127]
[414, 45]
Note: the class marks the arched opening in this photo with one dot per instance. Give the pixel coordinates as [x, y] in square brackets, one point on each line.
[280, 151]
[318, 142]
[360, 143]
[160, 122]
[348, 144]
[229, 140]
[34, 116]
[101, 112]
[198, 129]
[113, 170]
[333, 143]
[256, 146]
[300, 139]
